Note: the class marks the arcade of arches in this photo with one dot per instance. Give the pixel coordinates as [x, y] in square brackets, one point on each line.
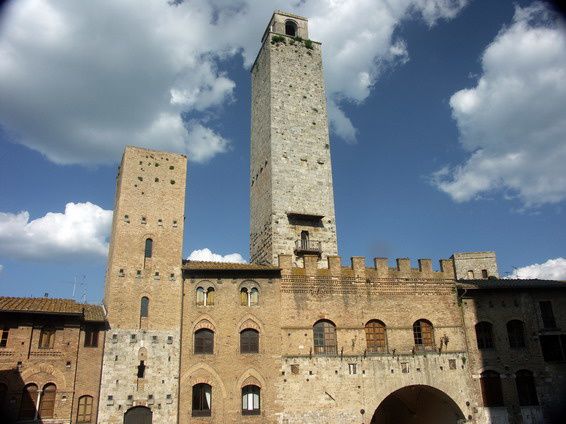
[418, 404]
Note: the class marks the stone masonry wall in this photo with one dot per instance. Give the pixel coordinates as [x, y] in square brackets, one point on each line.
[121, 388]
[288, 78]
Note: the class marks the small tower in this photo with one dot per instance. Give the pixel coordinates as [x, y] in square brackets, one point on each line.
[143, 291]
[291, 195]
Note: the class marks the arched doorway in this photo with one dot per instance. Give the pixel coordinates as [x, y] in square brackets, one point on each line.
[418, 404]
[138, 415]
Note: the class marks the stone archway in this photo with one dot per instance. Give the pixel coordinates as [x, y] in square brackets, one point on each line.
[138, 415]
[418, 404]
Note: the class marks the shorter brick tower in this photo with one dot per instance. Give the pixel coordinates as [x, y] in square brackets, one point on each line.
[143, 292]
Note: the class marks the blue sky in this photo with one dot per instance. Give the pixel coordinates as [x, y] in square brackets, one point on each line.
[448, 131]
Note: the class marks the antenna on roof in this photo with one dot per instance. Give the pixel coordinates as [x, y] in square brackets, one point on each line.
[83, 284]
[45, 294]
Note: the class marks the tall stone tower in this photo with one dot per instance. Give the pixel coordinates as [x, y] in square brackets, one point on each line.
[291, 195]
[143, 290]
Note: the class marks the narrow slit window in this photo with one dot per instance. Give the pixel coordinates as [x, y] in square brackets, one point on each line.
[148, 248]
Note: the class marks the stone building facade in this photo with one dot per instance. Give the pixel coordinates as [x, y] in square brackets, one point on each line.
[50, 360]
[295, 336]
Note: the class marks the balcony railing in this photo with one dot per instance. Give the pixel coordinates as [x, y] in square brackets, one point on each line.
[307, 247]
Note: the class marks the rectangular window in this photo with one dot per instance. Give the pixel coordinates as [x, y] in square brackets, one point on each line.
[91, 337]
[352, 368]
[553, 348]
[4, 339]
[547, 314]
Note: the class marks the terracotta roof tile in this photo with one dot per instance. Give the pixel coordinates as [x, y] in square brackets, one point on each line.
[48, 305]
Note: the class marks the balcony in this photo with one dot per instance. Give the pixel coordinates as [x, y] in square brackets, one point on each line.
[307, 247]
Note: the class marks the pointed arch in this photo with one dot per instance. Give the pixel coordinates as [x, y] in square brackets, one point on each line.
[203, 373]
[204, 321]
[250, 376]
[249, 321]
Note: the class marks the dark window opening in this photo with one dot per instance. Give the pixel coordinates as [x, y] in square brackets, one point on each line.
[491, 389]
[484, 335]
[290, 28]
[28, 402]
[91, 337]
[304, 240]
[250, 400]
[144, 307]
[324, 333]
[249, 341]
[202, 397]
[423, 334]
[516, 334]
[484, 273]
[547, 314]
[553, 348]
[148, 248]
[141, 369]
[4, 339]
[204, 341]
[526, 388]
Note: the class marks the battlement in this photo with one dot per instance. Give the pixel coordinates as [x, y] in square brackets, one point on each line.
[358, 269]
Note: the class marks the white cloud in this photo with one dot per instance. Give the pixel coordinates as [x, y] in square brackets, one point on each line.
[207, 256]
[80, 232]
[79, 80]
[553, 269]
[1, 268]
[513, 122]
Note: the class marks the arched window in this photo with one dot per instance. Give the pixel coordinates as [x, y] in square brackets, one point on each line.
[204, 341]
[250, 400]
[244, 296]
[526, 388]
[290, 28]
[209, 299]
[47, 338]
[304, 240]
[484, 335]
[484, 273]
[148, 248]
[84, 412]
[516, 333]
[376, 338]
[491, 388]
[28, 402]
[471, 274]
[205, 296]
[254, 297]
[249, 341]
[47, 401]
[423, 334]
[200, 296]
[324, 333]
[144, 307]
[202, 398]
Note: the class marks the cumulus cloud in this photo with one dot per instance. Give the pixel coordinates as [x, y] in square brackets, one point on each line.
[80, 232]
[512, 122]
[553, 269]
[79, 80]
[207, 255]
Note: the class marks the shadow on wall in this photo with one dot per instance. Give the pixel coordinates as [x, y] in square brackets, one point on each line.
[12, 395]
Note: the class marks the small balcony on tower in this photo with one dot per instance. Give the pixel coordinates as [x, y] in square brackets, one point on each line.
[306, 246]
